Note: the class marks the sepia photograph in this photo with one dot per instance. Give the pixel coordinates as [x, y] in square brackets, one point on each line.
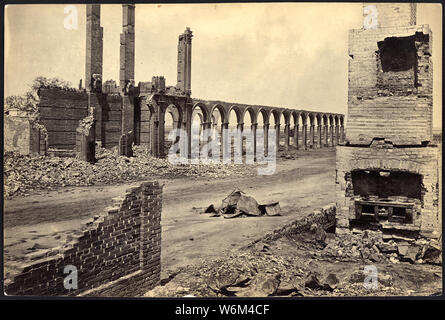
[222, 150]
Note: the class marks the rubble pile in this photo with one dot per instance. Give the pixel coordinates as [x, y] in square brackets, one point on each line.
[371, 245]
[24, 175]
[238, 204]
[279, 268]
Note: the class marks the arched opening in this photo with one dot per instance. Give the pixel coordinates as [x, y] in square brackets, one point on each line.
[198, 126]
[218, 121]
[263, 127]
[172, 122]
[318, 131]
[235, 138]
[249, 141]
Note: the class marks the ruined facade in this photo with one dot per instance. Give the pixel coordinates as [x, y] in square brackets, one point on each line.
[124, 112]
[387, 169]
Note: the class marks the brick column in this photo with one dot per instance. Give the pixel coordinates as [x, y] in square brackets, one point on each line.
[94, 49]
[312, 136]
[277, 138]
[126, 57]
[304, 134]
[320, 145]
[254, 127]
[332, 136]
[150, 231]
[342, 133]
[266, 139]
[337, 134]
[225, 143]
[296, 136]
[326, 134]
[286, 135]
[240, 127]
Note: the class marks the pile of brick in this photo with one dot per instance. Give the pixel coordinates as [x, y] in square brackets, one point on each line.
[373, 246]
[24, 175]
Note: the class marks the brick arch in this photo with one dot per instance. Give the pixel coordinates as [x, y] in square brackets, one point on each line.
[265, 113]
[222, 112]
[325, 119]
[336, 119]
[311, 117]
[295, 116]
[331, 120]
[238, 113]
[175, 111]
[252, 113]
[318, 116]
[277, 115]
[342, 120]
[286, 114]
[204, 110]
[304, 117]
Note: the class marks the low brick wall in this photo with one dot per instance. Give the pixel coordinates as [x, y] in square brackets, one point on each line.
[117, 254]
[325, 217]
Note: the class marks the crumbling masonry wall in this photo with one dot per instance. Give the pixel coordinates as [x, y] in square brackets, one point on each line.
[116, 254]
[387, 168]
[403, 97]
[61, 110]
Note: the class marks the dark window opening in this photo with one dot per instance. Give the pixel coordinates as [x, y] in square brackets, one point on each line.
[397, 54]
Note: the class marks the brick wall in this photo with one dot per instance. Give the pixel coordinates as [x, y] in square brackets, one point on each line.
[423, 161]
[392, 105]
[116, 254]
[60, 112]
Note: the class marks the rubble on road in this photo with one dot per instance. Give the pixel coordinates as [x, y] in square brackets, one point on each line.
[238, 204]
[24, 175]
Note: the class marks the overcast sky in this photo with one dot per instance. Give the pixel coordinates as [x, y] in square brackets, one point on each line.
[284, 55]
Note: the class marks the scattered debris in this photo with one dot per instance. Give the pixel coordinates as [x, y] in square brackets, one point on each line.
[238, 204]
[28, 174]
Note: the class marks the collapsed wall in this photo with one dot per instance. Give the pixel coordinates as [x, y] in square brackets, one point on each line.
[116, 254]
[24, 134]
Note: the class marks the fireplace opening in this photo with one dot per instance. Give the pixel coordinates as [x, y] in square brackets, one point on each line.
[383, 184]
[386, 198]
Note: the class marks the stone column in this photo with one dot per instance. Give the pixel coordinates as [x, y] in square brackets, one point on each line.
[225, 143]
[342, 133]
[253, 127]
[337, 134]
[311, 136]
[320, 145]
[326, 143]
[332, 135]
[296, 136]
[286, 135]
[277, 140]
[304, 135]
[240, 127]
[266, 139]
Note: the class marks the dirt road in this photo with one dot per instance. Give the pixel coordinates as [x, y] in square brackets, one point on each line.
[300, 185]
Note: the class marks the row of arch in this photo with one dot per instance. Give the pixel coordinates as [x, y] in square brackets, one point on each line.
[299, 128]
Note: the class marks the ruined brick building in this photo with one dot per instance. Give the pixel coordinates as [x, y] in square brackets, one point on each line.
[126, 113]
[387, 173]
